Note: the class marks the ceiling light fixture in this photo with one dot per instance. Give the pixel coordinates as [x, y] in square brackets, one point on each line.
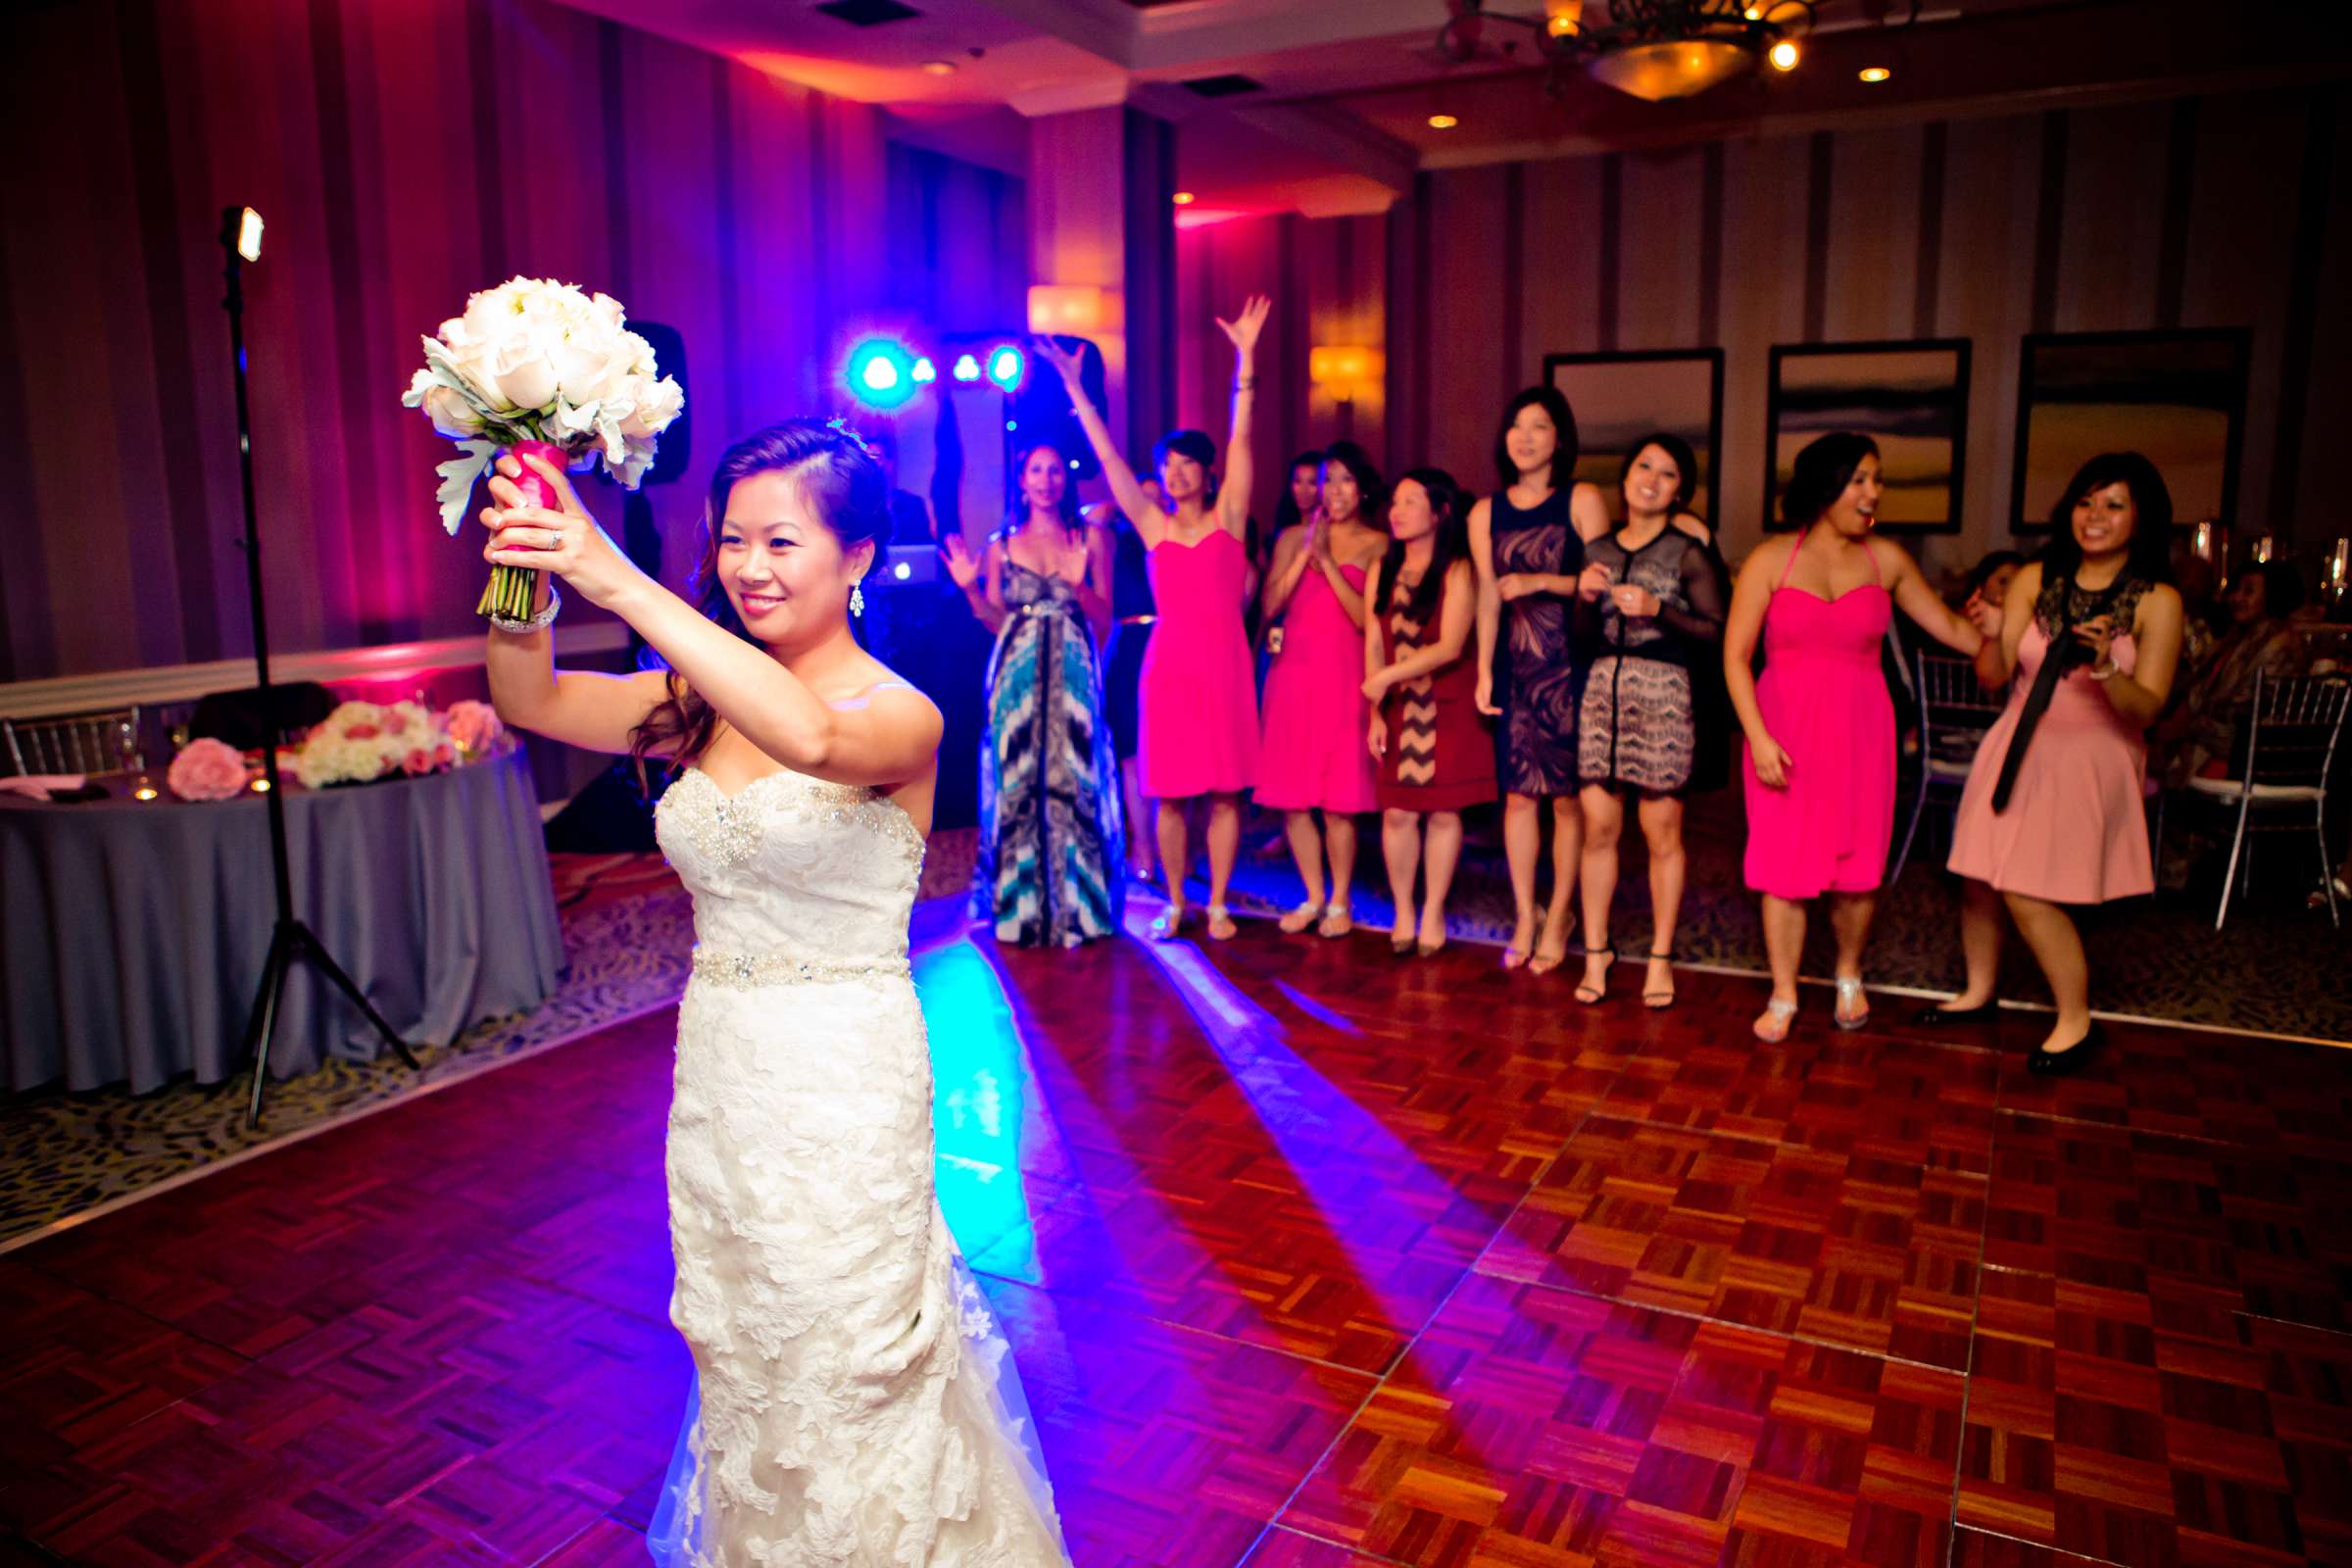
[938, 68]
[1183, 198]
[1443, 121]
[1650, 49]
[1876, 73]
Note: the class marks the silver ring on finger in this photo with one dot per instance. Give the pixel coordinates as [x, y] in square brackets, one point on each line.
[550, 538]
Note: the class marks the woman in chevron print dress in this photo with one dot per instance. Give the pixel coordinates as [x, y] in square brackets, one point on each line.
[1051, 864]
[1421, 674]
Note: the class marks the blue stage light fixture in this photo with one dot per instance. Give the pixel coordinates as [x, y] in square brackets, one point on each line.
[881, 373]
[925, 372]
[966, 369]
[1006, 365]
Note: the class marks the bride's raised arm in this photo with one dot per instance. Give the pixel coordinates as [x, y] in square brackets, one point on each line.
[884, 737]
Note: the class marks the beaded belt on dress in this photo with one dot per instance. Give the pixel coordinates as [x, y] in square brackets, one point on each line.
[748, 971]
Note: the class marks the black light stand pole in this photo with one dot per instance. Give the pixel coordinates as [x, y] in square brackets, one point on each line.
[290, 939]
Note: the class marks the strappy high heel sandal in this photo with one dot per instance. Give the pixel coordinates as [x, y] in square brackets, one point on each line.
[1168, 924]
[1853, 1005]
[1771, 1026]
[1337, 922]
[1299, 919]
[1587, 990]
[1220, 924]
[1657, 1001]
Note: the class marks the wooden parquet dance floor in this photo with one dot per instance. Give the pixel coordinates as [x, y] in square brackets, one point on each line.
[1311, 1258]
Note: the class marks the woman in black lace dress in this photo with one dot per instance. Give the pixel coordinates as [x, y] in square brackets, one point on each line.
[1659, 618]
[1527, 543]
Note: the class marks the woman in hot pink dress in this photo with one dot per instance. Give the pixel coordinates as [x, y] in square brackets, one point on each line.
[1819, 765]
[1313, 757]
[2054, 810]
[1196, 693]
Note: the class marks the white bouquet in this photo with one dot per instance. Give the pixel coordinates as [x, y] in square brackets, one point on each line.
[539, 366]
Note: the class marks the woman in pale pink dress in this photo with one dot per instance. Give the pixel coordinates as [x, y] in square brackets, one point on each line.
[1314, 756]
[2053, 813]
[1820, 759]
[1196, 692]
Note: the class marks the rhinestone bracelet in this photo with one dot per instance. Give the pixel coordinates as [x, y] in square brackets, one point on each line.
[539, 623]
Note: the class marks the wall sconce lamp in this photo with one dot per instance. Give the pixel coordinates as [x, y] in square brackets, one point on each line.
[1068, 309]
[1342, 370]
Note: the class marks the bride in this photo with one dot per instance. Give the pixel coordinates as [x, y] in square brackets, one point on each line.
[856, 1404]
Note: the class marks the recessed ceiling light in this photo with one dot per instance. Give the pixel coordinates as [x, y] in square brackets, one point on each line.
[1183, 198]
[1443, 121]
[1876, 73]
[1783, 56]
[938, 68]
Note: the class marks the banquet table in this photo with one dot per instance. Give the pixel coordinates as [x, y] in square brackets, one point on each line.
[136, 931]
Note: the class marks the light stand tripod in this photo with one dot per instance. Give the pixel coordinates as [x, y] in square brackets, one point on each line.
[291, 940]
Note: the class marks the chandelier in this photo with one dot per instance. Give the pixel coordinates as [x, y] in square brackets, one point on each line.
[1651, 49]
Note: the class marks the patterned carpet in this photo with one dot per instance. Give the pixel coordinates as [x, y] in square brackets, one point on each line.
[628, 928]
[627, 931]
[2277, 967]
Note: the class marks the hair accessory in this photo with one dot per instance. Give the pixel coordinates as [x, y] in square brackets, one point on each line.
[839, 424]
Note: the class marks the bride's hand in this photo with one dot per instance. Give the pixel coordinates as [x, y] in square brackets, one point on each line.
[565, 541]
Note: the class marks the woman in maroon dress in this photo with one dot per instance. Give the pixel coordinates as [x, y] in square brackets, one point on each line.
[1421, 672]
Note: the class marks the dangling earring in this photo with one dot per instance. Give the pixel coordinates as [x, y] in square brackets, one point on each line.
[857, 599]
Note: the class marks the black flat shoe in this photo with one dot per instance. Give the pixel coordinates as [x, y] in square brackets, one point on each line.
[1937, 1018]
[2058, 1064]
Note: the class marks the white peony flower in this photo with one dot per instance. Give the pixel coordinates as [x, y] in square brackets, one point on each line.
[655, 405]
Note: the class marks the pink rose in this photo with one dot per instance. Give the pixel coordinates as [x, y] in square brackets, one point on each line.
[474, 726]
[444, 756]
[363, 732]
[419, 760]
[207, 769]
[396, 722]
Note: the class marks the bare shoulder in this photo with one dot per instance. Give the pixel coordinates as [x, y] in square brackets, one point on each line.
[894, 700]
[2160, 602]
[1589, 508]
[1482, 512]
[1768, 558]
[1894, 561]
[1685, 523]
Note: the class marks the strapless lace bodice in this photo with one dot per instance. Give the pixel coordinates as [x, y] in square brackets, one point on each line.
[792, 868]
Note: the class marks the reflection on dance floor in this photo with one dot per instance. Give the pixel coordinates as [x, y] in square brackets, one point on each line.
[1310, 1259]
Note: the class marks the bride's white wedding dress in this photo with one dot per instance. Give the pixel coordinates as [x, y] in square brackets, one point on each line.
[855, 1404]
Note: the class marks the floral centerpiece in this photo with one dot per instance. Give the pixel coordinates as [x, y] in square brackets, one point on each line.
[540, 368]
[207, 769]
[360, 742]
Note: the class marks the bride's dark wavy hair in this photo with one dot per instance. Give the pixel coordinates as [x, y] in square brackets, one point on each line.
[844, 485]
